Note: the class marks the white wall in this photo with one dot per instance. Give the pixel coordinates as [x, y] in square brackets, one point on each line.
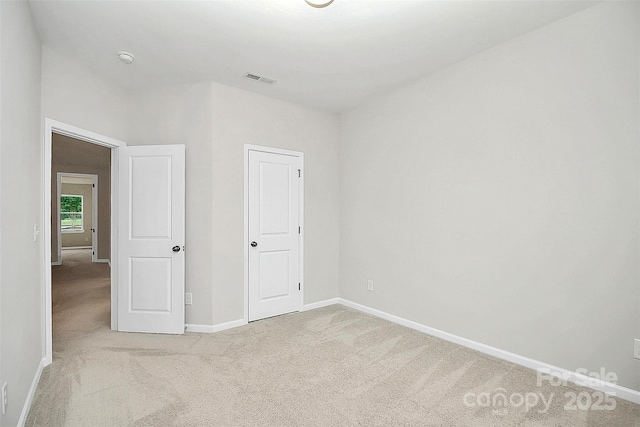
[182, 115]
[498, 199]
[239, 118]
[21, 207]
[214, 122]
[76, 95]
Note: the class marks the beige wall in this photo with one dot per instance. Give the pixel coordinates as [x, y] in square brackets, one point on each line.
[85, 238]
[73, 156]
[498, 199]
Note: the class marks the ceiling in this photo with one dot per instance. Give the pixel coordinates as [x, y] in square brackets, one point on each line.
[331, 59]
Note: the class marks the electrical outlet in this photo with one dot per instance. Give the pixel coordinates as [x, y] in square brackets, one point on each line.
[5, 400]
[188, 298]
[636, 348]
[370, 285]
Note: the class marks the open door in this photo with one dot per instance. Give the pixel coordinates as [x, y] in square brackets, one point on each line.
[151, 238]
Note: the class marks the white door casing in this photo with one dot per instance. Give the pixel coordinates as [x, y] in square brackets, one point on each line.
[274, 233]
[52, 127]
[151, 239]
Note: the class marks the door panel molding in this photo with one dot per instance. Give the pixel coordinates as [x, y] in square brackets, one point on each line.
[151, 235]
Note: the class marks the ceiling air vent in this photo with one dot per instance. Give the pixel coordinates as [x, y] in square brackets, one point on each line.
[261, 79]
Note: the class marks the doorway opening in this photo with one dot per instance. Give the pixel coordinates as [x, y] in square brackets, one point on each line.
[78, 211]
[85, 143]
[80, 289]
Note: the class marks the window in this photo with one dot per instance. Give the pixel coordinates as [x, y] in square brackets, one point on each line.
[71, 220]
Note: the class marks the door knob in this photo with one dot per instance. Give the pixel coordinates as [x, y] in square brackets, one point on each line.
[176, 249]
[254, 244]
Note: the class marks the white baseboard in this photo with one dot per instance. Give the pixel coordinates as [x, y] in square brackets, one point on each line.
[32, 391]
[241, 322]
[320, 304]
[64, 248]
[105, 261]
[215, 328]
[56, 262]
[574, 377]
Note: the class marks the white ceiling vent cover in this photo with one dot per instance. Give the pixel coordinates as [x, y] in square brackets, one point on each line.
[261, 79]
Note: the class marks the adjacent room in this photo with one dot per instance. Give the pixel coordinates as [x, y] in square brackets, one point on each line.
[320, 212]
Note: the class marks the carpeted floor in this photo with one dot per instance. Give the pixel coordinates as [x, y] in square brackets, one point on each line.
[328, 367]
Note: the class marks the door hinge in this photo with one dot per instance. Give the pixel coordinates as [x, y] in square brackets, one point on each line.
[298, 229]
[298, 286]
[93, 253]
[298, 173]
[93, 185]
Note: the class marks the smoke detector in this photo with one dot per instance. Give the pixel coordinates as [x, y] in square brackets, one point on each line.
[261, 79]
[126, 57]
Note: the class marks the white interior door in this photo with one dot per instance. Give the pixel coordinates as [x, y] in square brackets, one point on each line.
[151, 239]
[274, 234]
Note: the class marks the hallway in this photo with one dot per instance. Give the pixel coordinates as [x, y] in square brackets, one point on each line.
[80, 295]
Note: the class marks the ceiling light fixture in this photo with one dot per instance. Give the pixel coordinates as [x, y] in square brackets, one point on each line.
[319, 3]
[126, 57]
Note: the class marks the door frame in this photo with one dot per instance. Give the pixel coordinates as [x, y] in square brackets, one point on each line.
[247, 149]
[50, 127]
[94, 213]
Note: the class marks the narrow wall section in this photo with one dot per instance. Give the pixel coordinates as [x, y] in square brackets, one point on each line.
[21, 272]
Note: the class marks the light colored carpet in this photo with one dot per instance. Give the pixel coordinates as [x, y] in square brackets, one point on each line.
[328, 367]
